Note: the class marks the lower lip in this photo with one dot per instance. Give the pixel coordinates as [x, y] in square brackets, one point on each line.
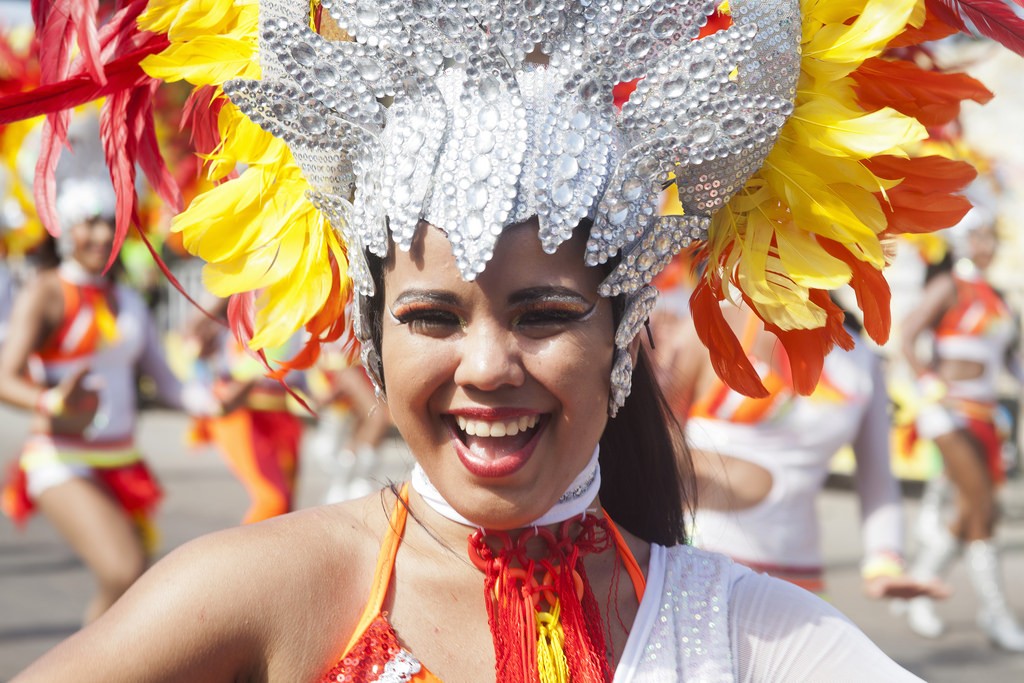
[502, 467]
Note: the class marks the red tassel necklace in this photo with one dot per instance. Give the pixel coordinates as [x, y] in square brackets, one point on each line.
[544, 618]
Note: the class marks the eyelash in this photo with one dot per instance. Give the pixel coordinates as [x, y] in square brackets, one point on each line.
[429, 319]
[548, 315]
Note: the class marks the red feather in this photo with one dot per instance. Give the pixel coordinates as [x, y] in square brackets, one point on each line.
[807, 349]
[991, 18]
[200, 114]
[727, 355]
[44, 187]
[76, 90]
[925, 199]
[931, 97]
[147, 150]
[83, 13]
[871, 288]
[118, 149]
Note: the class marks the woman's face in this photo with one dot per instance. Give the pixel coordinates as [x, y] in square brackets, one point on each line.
[500, 386]
[982, 242]
[92, 241]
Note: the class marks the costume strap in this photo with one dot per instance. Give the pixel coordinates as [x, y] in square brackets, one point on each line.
[385, 566]
[636, 575]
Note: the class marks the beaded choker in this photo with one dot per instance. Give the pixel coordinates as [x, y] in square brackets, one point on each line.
[575, 501]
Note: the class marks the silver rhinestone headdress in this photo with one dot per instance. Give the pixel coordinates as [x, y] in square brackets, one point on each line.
[439, 112]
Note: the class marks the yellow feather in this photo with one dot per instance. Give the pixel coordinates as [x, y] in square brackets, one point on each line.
[202, 61]
[825, 126]
[807, 263]
[838, 43]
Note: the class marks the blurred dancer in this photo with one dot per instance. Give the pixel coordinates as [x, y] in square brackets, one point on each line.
[353, 423]
[259, 437]
[972, 329]
[90, 338]
[762, 462]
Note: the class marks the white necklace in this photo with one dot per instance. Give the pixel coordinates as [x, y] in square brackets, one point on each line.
[575, 501]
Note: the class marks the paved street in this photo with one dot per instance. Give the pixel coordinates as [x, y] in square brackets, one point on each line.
[43, 588]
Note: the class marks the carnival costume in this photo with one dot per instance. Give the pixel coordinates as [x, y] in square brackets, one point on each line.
[261, 439]
[694, 610]
[979, 328]
[473, 115]
[794, 438]
[115, 347]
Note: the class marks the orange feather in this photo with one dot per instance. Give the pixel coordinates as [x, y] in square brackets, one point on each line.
[931, 97]
[727, 355]
[871, 288]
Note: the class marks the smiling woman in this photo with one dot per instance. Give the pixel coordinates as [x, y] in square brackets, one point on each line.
[465, 171]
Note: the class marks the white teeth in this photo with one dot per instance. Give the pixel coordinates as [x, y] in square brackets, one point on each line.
[496, 429]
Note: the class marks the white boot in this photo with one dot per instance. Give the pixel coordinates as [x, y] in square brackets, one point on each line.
[934, 556]
[931, 513]
[340, 466]
[994, 615]
[363, 474]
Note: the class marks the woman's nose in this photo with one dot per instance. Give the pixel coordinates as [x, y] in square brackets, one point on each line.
[490, 359]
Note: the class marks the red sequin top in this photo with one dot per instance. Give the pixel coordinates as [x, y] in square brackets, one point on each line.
[373, 653]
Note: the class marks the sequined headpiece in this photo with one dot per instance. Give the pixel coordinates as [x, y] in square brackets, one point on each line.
[476, 136]
[475, 114]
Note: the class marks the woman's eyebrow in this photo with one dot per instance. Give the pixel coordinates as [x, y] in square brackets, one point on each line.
[435, 296]
[548, 293]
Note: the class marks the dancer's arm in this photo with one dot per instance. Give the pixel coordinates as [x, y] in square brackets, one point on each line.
[67, 407]
[780, 632]
[937, 297]
[880, 503]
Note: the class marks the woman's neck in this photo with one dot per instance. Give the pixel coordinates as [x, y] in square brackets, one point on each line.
[74, 272]
[579, 498]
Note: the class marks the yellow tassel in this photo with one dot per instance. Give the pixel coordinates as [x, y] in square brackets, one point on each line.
[552, 666]
[148, 531]
[106, 323]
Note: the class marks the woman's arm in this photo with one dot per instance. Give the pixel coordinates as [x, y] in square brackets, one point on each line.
[193, 398]
[28, 329]
[780, 632]
[937, 298]
[70, 406]
[881, 507]
[190, 618]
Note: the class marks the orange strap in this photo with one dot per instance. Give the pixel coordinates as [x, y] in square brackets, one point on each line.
[636, 575]
[51, 348]
[389, 551]
[385, 566]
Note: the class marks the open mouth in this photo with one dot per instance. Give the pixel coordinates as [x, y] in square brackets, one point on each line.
[495, 447]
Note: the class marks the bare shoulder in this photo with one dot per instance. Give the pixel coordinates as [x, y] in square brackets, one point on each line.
[44, 295]
[242, 604]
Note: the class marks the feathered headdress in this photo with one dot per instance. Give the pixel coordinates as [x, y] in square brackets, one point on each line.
[785, 222]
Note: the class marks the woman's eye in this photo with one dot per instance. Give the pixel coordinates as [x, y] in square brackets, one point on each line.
[550, 316]
[428, 320]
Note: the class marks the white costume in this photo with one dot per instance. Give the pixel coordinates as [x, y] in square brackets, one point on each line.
[795, 444]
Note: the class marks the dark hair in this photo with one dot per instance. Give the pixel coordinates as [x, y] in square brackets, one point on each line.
[945, 265]
[647, 481]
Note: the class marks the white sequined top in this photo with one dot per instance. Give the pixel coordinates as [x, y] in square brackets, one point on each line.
[704, 618]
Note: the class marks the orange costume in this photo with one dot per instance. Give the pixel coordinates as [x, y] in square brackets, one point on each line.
[260, 441]
[977, 328]
[374, 652]
[112, 346]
